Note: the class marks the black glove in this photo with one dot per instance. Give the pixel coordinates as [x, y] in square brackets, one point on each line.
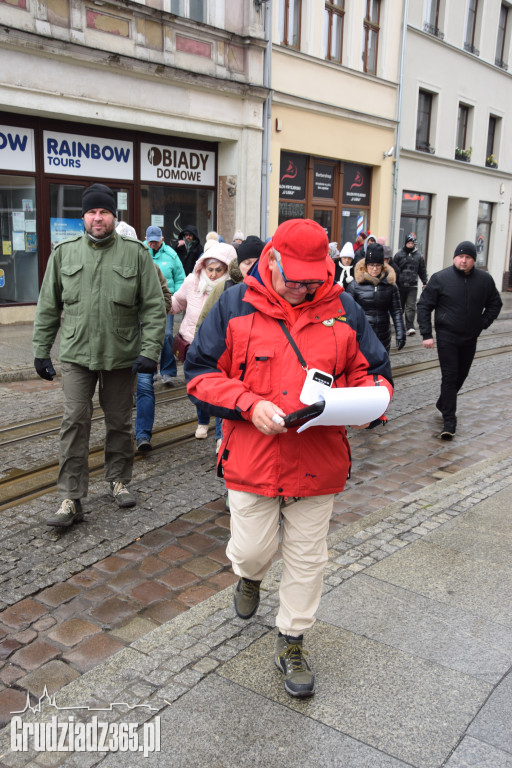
[400, 343]
[144, 365]
[44, 368]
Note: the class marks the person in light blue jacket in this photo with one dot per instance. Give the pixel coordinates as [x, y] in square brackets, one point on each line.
[172, 269]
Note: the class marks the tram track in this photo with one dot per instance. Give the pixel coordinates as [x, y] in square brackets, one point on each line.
[21, 486]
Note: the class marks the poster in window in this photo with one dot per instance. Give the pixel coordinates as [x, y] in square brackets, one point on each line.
[292, 176]
[323, 181]
[356, 184]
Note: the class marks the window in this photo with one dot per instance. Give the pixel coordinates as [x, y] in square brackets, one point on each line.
[190, 9]
[289, 22]
[423, 123]
[471, 19]
[483, 233]
[333, 29]
[461, 152]
[415, 217]
[502, 35]
[431, 24]
[18, 257]
[490, 158]
[371, 36]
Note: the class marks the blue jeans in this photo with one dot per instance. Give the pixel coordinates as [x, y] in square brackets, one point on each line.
[203, 417]
[168, 365]
[145, 414]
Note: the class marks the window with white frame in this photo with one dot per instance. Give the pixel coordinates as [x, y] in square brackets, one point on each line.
[471, 27]
[333, 29]
[433, 19]
[423, 123]
[289, 22]
[190, 9]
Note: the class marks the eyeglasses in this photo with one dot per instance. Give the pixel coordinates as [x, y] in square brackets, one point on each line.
[294, 284]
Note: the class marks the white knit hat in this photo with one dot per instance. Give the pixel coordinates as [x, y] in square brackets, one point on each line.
[347, 251]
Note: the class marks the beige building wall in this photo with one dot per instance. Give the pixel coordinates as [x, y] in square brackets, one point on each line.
[335, 110]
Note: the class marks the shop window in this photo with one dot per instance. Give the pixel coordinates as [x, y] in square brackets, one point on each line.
[415, 217]
[502, 39]
[66, 209]
[190, 9]
[172, 208]
[19, 278]
[353, 221]
[424, 119]
[333, 29]
[371, 36]
[289, 22]
[483, 233]
[472, 19]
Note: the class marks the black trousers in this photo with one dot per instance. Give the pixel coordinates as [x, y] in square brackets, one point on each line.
[455, 358]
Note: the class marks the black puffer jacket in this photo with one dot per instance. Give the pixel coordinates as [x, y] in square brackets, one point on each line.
[411, 265]
[379, 297]
[465, 305]
[188, 255]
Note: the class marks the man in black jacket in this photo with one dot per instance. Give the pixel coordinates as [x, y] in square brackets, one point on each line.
[188, 247]
[466, 302]
[411, 265]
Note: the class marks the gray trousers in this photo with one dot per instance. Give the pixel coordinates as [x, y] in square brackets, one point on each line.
[116, 400]
[408, 298]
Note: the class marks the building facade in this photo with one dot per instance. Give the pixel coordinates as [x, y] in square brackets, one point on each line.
[335, 75]
[162, 101]
[454, 167]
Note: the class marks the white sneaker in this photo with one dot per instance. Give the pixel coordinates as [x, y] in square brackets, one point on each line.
[167, 380]
[219, 443]
[410, 332]
[202, 431]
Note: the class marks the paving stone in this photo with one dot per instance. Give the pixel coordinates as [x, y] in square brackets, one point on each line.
[24, 637]
[134, 551]
[113, 611]
[86, 578]
[202, 566]
[179, 527]
[23, 613]
[133, 629]
[174, 554]
[35, 654]
[60, 593]
[7, 646]
[112, 564]
[151, 565]
[10, 673]
[149, 592]
[93, 651]
[197, 543]
[162, 611]
[198, 516]
[10, 701]
[223, 580]
[156, 539]
[72, 631]
[54, 675]
[195, 595]
[177, 578]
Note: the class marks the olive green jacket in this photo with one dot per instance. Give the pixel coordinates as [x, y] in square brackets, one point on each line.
[106, 298]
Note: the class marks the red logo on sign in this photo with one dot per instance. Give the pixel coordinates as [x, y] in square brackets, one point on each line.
[291, 172]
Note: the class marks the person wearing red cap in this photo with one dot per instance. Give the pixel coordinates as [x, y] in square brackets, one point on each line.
[249, 362]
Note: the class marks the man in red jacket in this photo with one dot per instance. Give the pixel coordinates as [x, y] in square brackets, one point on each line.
[249, 362]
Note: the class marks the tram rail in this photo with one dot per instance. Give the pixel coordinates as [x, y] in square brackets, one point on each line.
[21, 486]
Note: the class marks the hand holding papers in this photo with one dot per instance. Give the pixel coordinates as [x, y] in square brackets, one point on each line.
[350, 405]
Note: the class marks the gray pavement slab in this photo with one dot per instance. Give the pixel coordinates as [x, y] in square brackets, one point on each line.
[221, 724]
[397, 703]
[493, 724]
[472, 753]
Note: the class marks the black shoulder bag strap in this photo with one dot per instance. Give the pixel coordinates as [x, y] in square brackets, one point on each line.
[293, 344]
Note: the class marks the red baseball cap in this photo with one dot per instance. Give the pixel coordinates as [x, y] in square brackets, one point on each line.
[303, 247]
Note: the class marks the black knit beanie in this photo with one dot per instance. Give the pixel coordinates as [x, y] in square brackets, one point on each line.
[250, 248]
[374, 254]
[466, 247]
[99, 196]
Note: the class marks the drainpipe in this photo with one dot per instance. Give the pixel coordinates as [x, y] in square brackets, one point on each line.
[267, 113]
[398, 128]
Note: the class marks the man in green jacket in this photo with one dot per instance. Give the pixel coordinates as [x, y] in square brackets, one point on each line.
[102, 291]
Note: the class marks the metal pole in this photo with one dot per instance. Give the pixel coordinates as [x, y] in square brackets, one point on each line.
[267, 113]
[398, 128]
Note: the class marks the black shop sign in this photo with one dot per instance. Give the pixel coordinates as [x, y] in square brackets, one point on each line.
[356, 184]
[292, 176]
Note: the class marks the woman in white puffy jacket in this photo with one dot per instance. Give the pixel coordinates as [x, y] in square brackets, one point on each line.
[211, 267]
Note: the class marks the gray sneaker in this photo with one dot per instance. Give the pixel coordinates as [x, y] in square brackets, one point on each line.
[122, 495]
[299, 680]
[69, 512]
[247, 598]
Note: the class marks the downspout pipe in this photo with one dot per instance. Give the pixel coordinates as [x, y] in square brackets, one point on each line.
[267, 114]
[398, 128]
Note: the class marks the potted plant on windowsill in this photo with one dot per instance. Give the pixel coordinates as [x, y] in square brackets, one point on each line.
[463, 154]
[491, 162]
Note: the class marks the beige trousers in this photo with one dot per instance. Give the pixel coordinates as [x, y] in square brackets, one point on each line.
[255, 540]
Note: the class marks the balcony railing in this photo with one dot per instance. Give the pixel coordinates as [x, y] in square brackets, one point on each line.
[501, 64]
[470, 48]
[432, 30]
[426, 148]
